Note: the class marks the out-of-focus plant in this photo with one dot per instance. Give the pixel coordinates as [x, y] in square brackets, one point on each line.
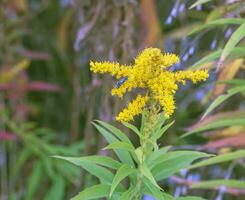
[34, 167]
[224, 129]
[25, 148]
[146, 164]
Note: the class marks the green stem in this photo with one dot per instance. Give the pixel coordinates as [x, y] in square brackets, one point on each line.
[148, 122]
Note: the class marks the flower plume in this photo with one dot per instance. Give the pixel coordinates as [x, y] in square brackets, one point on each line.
[150, 72]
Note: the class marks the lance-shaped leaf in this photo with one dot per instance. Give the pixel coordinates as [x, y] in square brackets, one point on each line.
[172, 162]
[232, 121]
[102, 173]
[218, 183]
[235, 52]
[218, 22]
[220, 158]
[235, 38]
[94, 192]
[120, 145]
[222, 98]
[123, 155]
[124, 171]
[116, 132]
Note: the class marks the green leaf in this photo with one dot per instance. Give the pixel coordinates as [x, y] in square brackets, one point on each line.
[219, 159]
[222, 98]
[198, 2]
[218, 22]
[190, 198]
[94, 192]
[120, 145]
[236, 52]
[139, 155]
[100, 160]
[233, 121]
[24, 155]
[156, 155]
[235, 38]
[48, 167]
[57, 190]
[218, 183]
[233, 82]
[103, 174]
[161, 131]
[117, 132]
[133, 128]
[153, 190]
[123, 155]
[147, 173]
[34, 180]
[124, 171]
[172, 162]
[128, 194]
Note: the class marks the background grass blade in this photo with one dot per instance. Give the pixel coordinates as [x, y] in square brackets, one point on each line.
[218, 183]
[219, 159]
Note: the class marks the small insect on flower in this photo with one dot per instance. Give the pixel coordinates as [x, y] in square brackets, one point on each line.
[121, 81]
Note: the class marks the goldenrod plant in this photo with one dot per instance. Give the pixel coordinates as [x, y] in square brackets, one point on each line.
[146, 164]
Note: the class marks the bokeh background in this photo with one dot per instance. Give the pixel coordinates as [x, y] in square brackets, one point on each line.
[48, 96]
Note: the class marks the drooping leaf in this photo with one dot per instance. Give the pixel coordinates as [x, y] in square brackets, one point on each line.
[218, 183]
[235, 38]
[100, 160]
[219, 159]
[234, 82]
[172, 162]
[123, 155]
[94, 192]
[124, 171]
[218, 22]
[217, 117]
[102, 173]
[116, 132]
[222, 98]
[235, 52]
[232, 121]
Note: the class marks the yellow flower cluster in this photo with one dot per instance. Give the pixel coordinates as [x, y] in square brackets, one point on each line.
[134, 108]
[150, 71]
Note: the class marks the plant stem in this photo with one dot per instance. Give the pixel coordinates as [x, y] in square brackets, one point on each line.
[148, 121]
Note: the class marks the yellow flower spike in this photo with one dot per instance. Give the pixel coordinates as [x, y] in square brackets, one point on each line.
[150, 72]
[194, 76]
[134, 108]
[169, 59]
